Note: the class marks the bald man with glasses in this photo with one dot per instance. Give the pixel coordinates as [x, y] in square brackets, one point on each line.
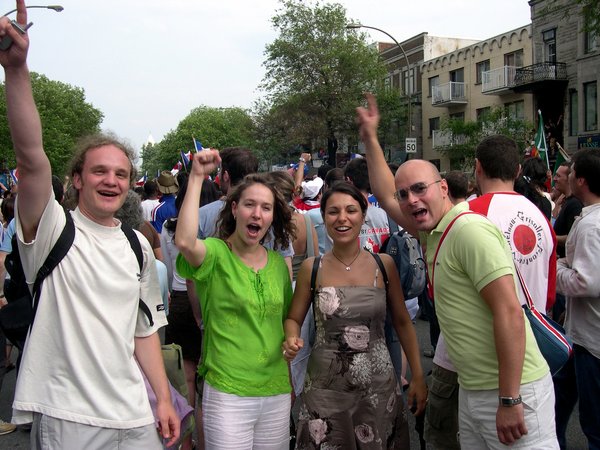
[500, 368]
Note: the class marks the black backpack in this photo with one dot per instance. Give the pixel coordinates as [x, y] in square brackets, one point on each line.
[18, 315]
[406, 252]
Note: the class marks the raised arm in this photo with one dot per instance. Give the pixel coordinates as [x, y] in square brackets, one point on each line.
[25, 126]
[186, 236]
[380, 176]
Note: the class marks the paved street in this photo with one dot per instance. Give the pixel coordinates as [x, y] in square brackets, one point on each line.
[19, 440]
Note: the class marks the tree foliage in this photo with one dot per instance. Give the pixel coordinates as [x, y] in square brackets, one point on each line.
[590, 11]
[65, 114]
[465, 135]
[316, 74]
[213, 127]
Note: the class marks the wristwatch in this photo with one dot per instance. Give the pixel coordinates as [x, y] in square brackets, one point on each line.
[301, 159]
[510, 401]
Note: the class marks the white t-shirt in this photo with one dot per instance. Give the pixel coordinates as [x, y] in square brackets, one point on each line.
[78, 363]
[147, 208]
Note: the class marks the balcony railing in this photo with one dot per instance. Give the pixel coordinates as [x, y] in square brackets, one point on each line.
[502, 78]
[452, 92]
[444, 138]
[541, 72]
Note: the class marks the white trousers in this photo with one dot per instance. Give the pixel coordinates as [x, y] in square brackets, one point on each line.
[477, 418]
[232, 422]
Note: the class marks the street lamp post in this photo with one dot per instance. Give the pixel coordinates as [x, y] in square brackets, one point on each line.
[354, 26]
[56, 8]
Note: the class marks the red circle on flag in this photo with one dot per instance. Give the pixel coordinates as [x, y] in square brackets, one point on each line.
[524, 239]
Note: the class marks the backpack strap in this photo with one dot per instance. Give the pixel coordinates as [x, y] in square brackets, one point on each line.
[313, 282]
[57, 253]
[134, 242]
[379, 262]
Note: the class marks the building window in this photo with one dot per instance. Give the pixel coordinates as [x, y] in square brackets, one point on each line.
[516, 110]
[514, 59]
[458, 116]
[409, 81]
[483, 66]
[434, 125]
[457, 76]
[590, 106]
[433, 82]
[483, 113]
[573, 113]
[590, 43]
[549, 38]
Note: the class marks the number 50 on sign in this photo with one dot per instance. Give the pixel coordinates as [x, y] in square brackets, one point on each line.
[411, 145]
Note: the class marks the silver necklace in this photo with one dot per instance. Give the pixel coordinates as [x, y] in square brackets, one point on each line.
[347, 265]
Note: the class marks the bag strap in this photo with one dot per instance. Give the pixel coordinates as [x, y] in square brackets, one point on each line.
[57, 253]
[444, 234]
[313, 282]
[528, 301]
[134, 242]
[379, 262]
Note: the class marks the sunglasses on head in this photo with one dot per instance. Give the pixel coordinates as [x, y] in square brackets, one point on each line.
[418, 189]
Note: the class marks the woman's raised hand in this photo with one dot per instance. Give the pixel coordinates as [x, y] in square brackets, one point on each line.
[205, 162]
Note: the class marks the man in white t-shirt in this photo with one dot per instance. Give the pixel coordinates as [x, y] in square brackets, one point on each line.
[152, 199]
[80, 382]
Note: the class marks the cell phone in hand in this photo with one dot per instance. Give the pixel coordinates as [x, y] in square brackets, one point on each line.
[7, 41]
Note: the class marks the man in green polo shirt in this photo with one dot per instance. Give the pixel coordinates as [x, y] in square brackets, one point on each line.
[506, 395]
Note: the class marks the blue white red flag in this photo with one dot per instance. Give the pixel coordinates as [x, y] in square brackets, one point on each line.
[185, 158]
[14, 174]
[197, 145]
[142, 180]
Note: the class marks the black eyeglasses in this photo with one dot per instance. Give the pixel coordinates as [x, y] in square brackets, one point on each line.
[418, 189]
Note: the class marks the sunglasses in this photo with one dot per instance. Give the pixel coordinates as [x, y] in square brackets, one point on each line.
[418, 189]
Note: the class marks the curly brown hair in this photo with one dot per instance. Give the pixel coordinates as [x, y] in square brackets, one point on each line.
[282, 225]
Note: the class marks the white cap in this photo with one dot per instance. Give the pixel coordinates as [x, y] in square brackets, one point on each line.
[310, 189]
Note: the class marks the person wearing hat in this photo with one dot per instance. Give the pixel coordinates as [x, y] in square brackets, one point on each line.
[310, 198]
[168, 187]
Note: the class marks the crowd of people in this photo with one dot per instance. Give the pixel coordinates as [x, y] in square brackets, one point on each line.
[293, 327]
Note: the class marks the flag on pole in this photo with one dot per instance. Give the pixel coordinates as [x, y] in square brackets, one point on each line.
[14, 174]
[540, 150]
[142, 180]
[185, 158]
[561, 157]
[197, 145]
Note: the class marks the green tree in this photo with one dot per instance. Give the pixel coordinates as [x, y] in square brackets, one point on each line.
[65, 114]
[392, 124]
[214, 127]
[465, 135]
[317, 72]
[590, 11]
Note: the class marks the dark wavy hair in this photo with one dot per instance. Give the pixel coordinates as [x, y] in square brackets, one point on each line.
[283, 227]
[343, 187]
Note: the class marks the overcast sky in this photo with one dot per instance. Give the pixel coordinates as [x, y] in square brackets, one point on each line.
[147, 63]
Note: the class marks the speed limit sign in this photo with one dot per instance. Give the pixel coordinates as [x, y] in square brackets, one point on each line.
[411, 145]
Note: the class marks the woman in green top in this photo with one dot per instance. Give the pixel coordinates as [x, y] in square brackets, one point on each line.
[245, 292]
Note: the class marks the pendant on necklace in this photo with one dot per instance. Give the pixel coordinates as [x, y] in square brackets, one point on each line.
[348, 269]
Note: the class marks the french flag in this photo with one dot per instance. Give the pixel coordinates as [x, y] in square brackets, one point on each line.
[197, 145]
[142, 180]
[185, 157]
[14, 174]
